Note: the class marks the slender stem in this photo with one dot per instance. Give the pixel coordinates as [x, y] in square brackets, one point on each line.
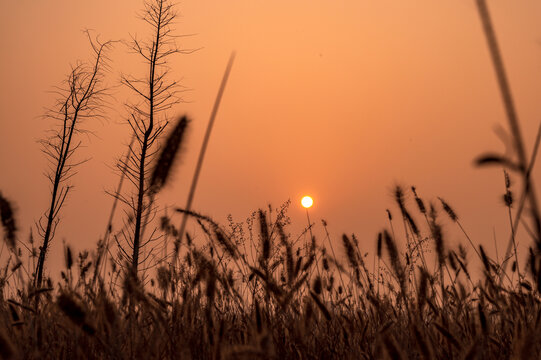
[522, 201]
[109, 228]
[312, 237]
[202, 153]
[334, 255]
[511, 115]
[514, 241]
[309, 224]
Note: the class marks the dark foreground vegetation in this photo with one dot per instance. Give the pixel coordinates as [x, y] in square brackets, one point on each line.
[253, 290]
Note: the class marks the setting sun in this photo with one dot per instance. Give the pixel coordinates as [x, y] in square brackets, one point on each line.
[307, 202]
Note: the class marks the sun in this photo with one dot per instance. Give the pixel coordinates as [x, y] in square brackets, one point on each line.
[307, 202]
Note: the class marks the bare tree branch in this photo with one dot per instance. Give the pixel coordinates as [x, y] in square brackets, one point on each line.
[79, 99]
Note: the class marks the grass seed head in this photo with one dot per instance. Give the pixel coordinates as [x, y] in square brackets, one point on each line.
[448, 210]
[8, 221]
[169, 153]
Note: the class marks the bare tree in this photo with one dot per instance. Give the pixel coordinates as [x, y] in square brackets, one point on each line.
[79, 99]
[147, 118]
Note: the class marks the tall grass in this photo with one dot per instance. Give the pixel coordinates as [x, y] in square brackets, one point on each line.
[222, 301]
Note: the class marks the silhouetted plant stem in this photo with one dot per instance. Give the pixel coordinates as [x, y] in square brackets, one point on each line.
[468, 237]
[309, 224]
[80, 100]
[202, 154]
[512, 118]
[312, 239]
[522, 201]
[109, 227]
[147, 119]
[508, 200]
[141, 190]
[333, 253]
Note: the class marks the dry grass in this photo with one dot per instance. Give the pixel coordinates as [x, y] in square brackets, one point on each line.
[229, 302]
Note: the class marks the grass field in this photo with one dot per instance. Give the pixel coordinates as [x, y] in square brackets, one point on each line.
[258, 293]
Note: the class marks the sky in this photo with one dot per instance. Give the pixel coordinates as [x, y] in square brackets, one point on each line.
[341, 100]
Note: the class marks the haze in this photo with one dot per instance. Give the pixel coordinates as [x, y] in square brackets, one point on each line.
[337, 99]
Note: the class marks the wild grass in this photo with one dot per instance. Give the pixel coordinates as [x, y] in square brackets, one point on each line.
[254, 291]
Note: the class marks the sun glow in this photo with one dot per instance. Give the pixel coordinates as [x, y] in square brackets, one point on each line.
[307, 202]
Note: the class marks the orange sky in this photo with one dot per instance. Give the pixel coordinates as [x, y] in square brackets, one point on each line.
[338, 99]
